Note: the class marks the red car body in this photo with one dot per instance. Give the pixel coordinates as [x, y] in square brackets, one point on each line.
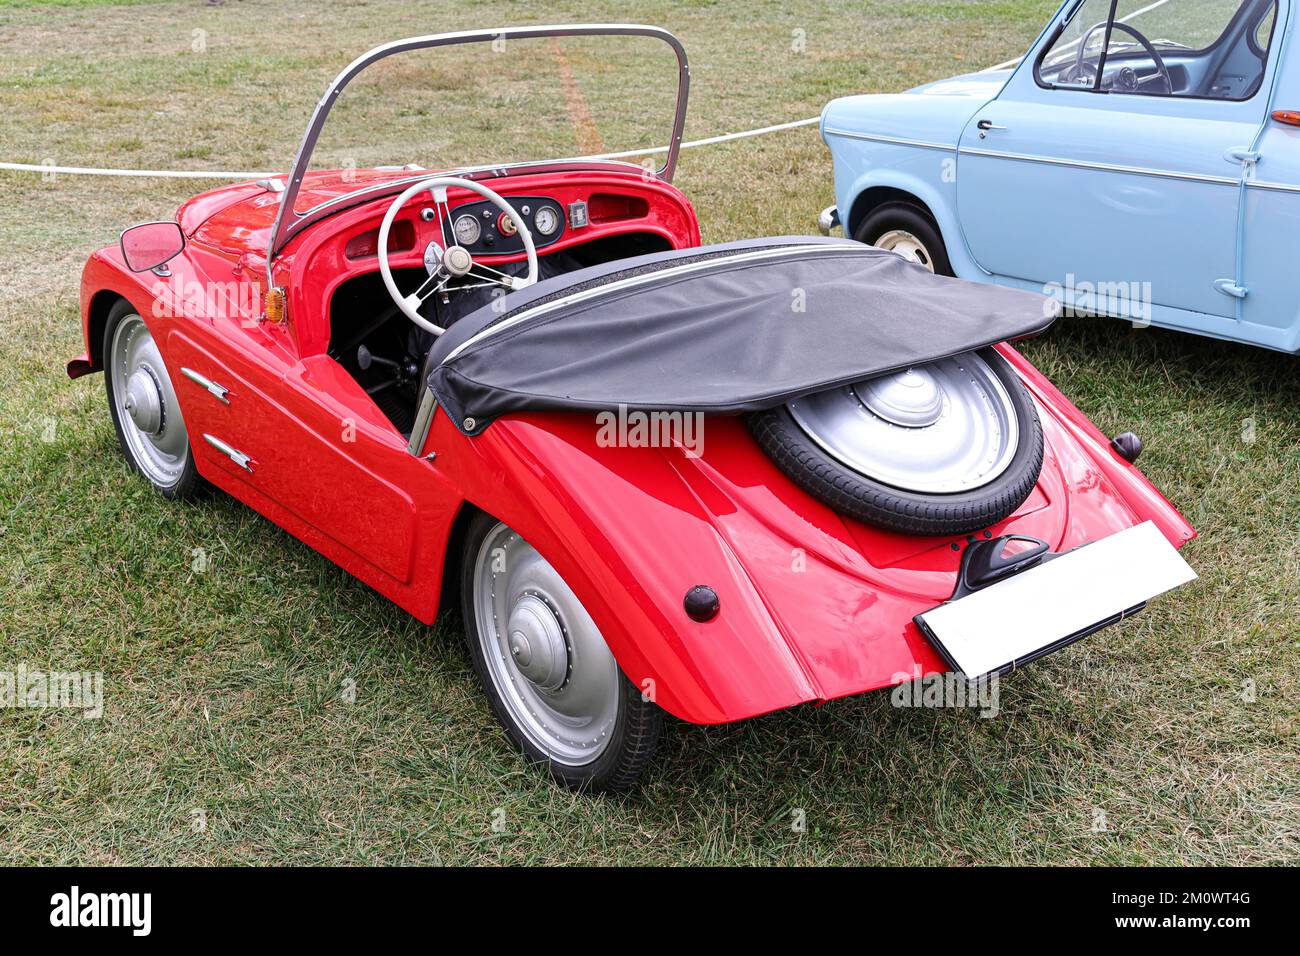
[815, 605]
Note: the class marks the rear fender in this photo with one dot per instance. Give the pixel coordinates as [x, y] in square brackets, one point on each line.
[631, 539]
[813, 606]
[1126, 479]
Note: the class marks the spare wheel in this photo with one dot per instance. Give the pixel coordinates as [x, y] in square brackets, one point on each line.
[949, 447]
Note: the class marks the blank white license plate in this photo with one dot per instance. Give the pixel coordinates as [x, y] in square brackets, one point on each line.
[1054, 604]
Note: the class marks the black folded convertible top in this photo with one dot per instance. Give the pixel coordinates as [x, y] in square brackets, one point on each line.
[721, 329]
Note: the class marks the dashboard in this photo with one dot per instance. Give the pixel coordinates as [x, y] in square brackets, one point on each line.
[578, 218]
[563, 216]
[483, 229]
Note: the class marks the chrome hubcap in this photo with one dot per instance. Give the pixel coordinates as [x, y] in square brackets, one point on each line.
[544, 654]
[536, 642]
[912, 398]
[143, 401]
[149, 413]
[906, 245]
[943, 428]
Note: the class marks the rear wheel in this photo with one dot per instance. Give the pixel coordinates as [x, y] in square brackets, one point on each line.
[908, 230]
[142, 402]
[550, 678]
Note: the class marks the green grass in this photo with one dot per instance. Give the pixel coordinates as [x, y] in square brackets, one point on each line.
[226, 689]
[37, 4]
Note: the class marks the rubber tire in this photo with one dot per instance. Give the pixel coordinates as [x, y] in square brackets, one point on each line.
[190, 484]
[852, 493]
[636, 729]
[913, 219]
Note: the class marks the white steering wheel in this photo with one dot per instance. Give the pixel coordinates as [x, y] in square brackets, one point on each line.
[454, 262]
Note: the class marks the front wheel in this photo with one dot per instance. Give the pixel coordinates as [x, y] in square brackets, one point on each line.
[143, 404]
[550, 678]
[908, 230]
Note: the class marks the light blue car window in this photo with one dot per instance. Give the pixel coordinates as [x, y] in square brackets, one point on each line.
[1208, 49]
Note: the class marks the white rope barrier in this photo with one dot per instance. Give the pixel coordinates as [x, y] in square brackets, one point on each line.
[51, 169]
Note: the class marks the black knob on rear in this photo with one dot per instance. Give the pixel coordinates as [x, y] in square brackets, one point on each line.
[1127, 445]
[702, 603]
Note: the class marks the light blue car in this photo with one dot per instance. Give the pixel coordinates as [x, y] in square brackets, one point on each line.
[1142, 160]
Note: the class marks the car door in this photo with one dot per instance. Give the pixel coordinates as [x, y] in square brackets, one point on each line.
[1271, 218]
[1097, 174]
[297, 439]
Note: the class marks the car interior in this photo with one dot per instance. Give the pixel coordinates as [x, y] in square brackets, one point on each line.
[1215, 52]
[385, 353]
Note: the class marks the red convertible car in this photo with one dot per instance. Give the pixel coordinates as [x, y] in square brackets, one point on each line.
[659, 477]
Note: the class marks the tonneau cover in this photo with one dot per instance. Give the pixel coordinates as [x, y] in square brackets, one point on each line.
[719, 329]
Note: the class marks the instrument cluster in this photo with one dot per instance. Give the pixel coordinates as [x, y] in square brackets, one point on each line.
[483, 229]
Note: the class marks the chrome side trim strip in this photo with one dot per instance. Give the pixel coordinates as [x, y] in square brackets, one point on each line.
[219, 392]
[632, 282]
[1274, 187]
[234, 454]
[1104, 167]
[1079, 164]
[423, 421]
[891, 140]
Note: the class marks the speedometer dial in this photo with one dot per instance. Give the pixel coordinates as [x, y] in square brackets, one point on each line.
[546, 221]
[467, 230]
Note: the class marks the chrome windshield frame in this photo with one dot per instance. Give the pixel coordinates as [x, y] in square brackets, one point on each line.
[289, 222]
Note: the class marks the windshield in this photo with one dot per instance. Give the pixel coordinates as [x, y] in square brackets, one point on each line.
[499, 101]
[1160, 22]
[1205, 48]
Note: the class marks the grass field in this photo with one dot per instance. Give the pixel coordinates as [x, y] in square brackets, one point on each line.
[229, 735]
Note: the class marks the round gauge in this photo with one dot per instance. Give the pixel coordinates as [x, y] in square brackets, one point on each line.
[546, 221]
[467, 230]
[505, 226]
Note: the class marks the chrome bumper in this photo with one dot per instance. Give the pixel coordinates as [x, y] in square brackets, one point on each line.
[827, 220]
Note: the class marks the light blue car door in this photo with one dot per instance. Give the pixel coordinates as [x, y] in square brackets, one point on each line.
[1112, 176]
[1271, 220]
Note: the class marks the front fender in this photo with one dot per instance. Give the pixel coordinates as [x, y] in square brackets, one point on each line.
[104, 280]
[912, 174]
[907, 142]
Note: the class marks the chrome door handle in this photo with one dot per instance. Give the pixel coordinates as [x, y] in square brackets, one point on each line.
[985, 125]
[218, 391]
[234, 454]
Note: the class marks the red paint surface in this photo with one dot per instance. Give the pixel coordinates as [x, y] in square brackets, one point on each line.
[813, 605]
